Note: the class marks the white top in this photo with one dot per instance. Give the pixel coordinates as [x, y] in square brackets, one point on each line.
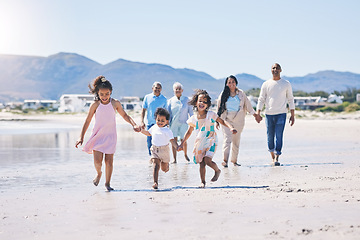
[276, 94]
[160, 136]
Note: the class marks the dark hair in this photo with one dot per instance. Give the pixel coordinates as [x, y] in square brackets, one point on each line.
[195, 97]
[162, 112]
[277, 64]
[99, 82]
[225, 95]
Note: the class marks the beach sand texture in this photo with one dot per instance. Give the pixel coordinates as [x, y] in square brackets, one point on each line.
[46, 189]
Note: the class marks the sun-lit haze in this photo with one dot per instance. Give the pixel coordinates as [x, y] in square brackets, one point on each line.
[217, 37]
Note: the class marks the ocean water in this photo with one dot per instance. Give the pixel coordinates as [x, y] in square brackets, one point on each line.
[42, 154]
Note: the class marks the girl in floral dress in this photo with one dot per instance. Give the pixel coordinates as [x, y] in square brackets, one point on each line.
[203, 121]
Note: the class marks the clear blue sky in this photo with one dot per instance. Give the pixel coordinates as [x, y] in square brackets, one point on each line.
[217, 37]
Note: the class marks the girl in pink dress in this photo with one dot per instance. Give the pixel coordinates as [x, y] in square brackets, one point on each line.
[103, 138]
[203, 121]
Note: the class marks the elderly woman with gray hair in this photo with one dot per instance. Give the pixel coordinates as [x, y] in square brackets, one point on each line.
[180, 111]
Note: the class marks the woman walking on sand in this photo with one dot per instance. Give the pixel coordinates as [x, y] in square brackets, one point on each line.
[232, 106]
[103, 138]
[180, 111]
[206, 140]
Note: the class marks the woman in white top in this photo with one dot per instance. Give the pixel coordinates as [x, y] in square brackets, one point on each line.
[232, 107]
[180, 111]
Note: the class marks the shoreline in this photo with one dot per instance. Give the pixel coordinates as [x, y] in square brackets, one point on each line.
[303, 114]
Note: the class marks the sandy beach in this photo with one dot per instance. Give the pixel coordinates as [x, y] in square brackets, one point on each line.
[46, 189]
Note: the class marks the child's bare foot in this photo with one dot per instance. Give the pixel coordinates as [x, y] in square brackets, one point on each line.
[187, 158]
[216, 175]
[155, 185]
[97, 179]
[174, 161]
[202, 185]
[107, 186]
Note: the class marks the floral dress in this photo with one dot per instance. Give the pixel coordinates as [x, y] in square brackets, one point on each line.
[206, 139]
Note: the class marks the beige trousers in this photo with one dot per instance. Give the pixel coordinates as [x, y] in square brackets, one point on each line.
[232, 141]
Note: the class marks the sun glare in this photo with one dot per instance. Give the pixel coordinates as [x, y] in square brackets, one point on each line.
[14, 26]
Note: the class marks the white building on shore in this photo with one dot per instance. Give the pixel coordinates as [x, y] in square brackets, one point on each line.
[36, 104]
[131, 103]
[75, 102]
[333, 98]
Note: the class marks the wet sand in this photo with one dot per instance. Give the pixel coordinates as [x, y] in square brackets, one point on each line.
[46, 189]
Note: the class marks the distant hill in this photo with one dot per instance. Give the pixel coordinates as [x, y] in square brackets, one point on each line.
[26, 77]
[31, 77]
[327, 81]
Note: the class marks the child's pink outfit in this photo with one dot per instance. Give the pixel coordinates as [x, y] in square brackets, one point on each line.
[103, 138]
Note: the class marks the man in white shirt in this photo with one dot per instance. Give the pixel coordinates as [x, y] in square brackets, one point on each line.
[275, 94]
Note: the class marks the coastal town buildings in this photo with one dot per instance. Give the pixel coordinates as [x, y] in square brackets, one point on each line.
[75, 102]
[71, 103]
[36, 104]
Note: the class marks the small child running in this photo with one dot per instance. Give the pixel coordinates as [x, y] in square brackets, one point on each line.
[103, 138]
[161, 136]
[206, 140]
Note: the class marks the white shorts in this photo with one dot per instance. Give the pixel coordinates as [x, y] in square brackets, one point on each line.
[162, 153]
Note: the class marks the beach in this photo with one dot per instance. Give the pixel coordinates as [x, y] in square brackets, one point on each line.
[46, 189]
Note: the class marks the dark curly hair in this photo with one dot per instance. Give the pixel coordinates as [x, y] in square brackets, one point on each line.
[195, 97]
[225, 95]
[99, 82]
[162, 112]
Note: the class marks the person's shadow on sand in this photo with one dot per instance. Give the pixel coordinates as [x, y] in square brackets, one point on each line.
[183, 187]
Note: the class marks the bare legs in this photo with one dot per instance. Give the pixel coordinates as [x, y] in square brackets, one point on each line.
[157, 165]
[208, 161]
[98, 156]
[109, 159]
[174, 150]
[185, 152]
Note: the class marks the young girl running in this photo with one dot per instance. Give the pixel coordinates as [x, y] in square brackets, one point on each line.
[161, 136]
[103, 138]
[206, 139]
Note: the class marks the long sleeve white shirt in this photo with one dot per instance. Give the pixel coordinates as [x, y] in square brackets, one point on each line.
[276, 94]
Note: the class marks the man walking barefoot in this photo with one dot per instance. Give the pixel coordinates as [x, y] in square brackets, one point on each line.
[275, 94]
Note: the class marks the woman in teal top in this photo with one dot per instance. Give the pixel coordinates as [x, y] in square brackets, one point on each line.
[232, 107]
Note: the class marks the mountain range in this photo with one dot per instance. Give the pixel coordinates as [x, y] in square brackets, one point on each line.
[31, 77]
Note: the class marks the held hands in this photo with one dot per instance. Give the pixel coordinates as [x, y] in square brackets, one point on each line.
[180, 147]
[137, 128]
[258, 118]
[233, 130]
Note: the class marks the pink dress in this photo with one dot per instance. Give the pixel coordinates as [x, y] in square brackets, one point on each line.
[103, 137]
